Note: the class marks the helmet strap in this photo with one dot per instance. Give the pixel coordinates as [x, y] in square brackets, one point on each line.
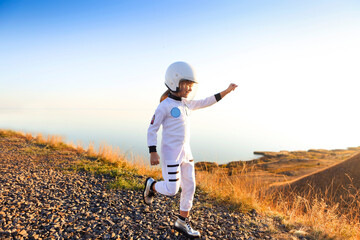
[177, 89]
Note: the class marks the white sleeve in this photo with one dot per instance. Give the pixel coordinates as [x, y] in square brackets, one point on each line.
[197, 104]
[155, 124]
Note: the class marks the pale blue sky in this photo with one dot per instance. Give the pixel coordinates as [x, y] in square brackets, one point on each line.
[296, 63]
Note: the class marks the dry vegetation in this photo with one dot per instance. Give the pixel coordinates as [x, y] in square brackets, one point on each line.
[245, 186]
[323, 213]
[318, 216]
[105, 161]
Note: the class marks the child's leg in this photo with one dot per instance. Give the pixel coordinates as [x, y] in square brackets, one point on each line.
[187, 187]
[186, 200]
[171, 174]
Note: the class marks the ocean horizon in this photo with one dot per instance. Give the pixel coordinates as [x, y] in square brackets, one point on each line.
[127, 130]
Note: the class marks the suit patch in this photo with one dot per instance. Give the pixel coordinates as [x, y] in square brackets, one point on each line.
[153, 119]
[175, 112]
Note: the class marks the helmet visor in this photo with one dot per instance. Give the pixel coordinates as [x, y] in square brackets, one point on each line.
[188, 89]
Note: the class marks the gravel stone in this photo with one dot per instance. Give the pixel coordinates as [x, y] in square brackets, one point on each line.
[39, 200]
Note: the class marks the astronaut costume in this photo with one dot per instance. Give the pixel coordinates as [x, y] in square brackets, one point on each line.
[177, 160]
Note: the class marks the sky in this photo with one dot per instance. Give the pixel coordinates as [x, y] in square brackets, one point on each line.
[296, 64]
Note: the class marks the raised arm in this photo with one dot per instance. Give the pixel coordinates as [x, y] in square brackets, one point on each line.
[231, 87]
[197, 104]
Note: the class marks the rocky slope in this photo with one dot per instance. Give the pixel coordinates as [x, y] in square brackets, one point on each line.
[40, 200]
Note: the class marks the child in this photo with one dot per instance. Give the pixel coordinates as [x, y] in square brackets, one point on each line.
[177, 162]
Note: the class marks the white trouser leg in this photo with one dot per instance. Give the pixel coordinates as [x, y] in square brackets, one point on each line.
[171, 174]
[188, 185]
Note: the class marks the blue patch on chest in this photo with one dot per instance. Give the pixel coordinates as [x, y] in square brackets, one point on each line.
[175, 112]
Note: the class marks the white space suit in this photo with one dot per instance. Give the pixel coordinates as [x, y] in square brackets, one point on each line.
[176, 157]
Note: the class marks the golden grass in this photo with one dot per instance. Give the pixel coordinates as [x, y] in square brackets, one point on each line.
[320, 218]
[117, 158]
[238, 189]
[106, 160]
[329, 197]
[324, 218]
[105, 153]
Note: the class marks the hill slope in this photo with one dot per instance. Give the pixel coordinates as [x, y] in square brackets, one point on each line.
[38, 199]
[336, 181]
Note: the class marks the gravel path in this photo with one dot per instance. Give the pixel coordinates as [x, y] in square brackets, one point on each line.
[39, 201]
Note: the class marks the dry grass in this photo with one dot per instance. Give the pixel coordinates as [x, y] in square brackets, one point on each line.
[239, 190]
[106, 160]
[105, 154]
[323, 216]
[330, 199]
[144, 169]
[320, 216]
[117, 158]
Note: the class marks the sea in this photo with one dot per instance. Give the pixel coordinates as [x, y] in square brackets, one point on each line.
[127, 130]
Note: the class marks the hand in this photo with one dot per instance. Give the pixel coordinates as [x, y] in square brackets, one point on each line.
[231, 87]
[154, 158]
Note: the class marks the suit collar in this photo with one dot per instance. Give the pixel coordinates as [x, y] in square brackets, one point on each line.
[174, 97]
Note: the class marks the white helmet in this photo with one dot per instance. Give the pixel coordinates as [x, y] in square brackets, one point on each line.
[176, 72]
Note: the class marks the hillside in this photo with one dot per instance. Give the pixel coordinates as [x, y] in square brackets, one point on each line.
[52, 190]
[309, 187]
[338, 182]
[283, 166]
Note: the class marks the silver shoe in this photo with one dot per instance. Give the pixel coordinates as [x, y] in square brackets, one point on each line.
[185, 228]
[148, 193]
